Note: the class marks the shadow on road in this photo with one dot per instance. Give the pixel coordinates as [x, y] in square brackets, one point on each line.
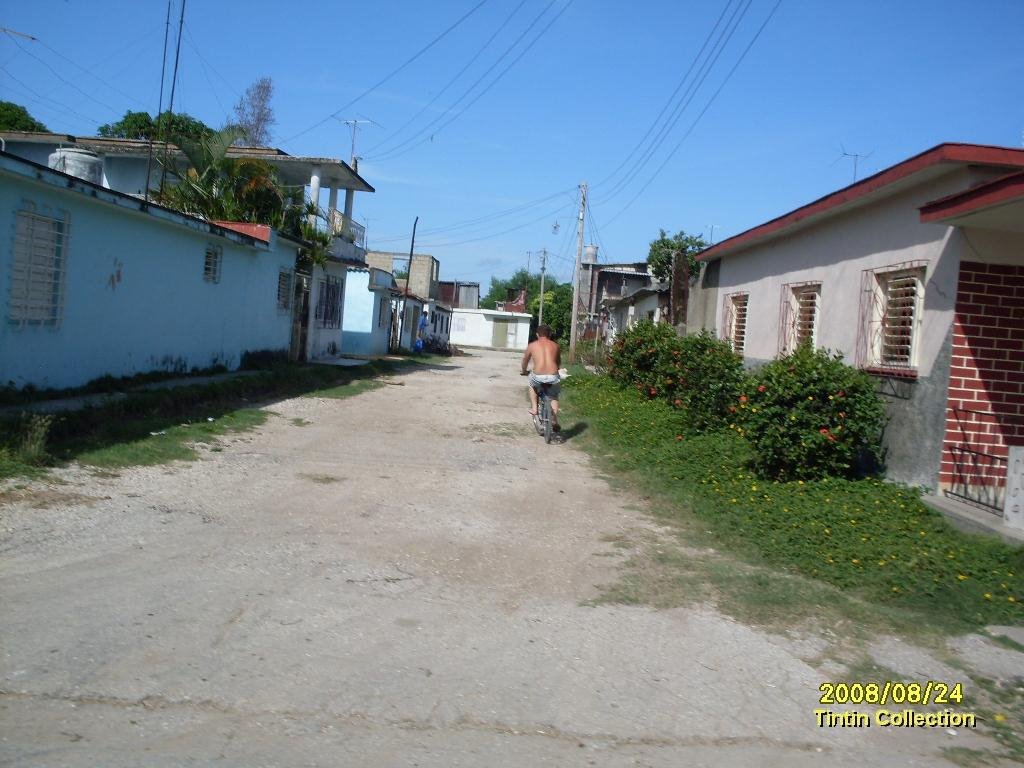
[576, 429]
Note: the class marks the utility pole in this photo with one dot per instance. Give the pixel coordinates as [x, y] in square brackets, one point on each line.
[543, 265]
[405, 293]
[577, 274]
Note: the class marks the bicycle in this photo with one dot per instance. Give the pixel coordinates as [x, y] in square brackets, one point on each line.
[542, 419]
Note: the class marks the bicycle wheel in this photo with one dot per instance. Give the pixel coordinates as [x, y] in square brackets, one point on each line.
[547, 419]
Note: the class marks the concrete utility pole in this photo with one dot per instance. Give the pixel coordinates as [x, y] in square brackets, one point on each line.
[543, 265]
[577, 274]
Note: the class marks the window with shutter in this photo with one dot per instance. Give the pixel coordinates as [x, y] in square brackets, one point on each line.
[38, 268]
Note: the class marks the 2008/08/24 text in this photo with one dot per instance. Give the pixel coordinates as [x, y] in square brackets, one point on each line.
[889, 691]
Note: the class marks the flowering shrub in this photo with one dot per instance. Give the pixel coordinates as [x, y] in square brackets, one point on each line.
[808, 415]
[872, 539]
[699, 375]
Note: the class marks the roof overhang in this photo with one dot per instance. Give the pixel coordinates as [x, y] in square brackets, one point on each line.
[997, 205]
[913, 171]
[295, 171]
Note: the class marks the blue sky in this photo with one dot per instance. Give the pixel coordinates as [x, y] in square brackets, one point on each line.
[876, 77]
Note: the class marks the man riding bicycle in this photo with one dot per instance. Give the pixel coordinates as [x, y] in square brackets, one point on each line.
[547, 357]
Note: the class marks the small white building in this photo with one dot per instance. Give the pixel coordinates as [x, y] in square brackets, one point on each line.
[490, 328]
[94, 282]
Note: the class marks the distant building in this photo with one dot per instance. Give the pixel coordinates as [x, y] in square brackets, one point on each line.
[490, 328]
[459, 295]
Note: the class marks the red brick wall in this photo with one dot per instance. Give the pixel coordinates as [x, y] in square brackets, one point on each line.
[985, 412]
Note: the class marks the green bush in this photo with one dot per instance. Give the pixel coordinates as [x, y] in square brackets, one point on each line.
[808, 415]
[700, 376]
[875, 539]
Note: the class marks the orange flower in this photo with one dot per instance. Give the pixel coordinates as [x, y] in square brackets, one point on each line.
[762, 388]
[743, 398]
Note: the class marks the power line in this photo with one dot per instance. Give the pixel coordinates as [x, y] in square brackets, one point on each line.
[671, 98]
[471, 223]
[724, 38]
[426, 133]
[451, 82]
[41, 99]
[56, 74]
[496, 234]
[702, 112]
[395, 152]
[393, 72]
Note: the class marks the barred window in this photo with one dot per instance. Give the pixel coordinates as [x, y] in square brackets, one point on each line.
[38, 267]
[211, 263]
[284, 290]
[328, 303]
[900, 300]
[736, 320]
[801, 303]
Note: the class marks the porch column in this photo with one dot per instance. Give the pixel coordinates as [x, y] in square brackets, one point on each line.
[314, 191]
[332, 207]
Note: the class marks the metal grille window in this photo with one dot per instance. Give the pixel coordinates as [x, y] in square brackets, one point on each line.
[800, 305]
[328, 303]
[38, 267]
[736, 320]
[900, 301]
[284, 290]
[211, 263]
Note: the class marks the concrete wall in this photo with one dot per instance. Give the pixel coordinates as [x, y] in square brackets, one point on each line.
[367, 322]
[135, 297]
[702, 307]
[407, 313]
[475, 328]
[324, 342]
[423, 275]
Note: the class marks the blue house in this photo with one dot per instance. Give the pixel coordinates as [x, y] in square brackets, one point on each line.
[96, 282]
[368, 319]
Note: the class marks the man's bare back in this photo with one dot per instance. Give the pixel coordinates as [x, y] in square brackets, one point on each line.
[546, 356]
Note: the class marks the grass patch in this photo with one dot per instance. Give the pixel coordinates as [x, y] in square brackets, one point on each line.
[347, 389]
[175, 443]
[300, 422]
[874, 543]
[157, 425]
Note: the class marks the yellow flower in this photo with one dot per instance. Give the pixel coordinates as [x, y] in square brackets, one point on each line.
[999, 718]
[895, 589]
[961, 577]
[855, 561]
[1011, 599]
[988, 595]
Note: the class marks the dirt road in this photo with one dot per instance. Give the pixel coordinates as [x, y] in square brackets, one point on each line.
[396, 579]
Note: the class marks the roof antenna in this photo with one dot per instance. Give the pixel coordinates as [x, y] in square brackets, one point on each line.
[856, 157]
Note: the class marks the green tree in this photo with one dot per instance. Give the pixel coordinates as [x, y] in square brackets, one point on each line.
[142, 126]
[659, 257]
[520, 279]
[14, 117]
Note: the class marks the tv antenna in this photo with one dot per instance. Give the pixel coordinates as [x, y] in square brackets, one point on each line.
[856, 158]
[354, 128]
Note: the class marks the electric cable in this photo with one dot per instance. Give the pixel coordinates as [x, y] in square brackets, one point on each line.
[451, 82]
[391, 154]
[707, 106]
[703, 73]
[391, 74]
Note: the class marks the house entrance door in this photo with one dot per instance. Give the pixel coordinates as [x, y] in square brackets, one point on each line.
[499, 334]
[300, 318]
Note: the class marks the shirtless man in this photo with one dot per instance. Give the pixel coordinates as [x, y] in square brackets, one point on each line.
[547, 357]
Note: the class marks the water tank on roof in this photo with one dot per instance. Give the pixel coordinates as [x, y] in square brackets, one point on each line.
[590, 254]
[78, 162]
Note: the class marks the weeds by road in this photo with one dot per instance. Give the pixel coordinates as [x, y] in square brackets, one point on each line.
[158, 425]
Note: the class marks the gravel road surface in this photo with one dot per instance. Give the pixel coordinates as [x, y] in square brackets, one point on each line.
[401, 578]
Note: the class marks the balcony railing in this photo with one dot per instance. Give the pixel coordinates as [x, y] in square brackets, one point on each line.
[347, 229]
